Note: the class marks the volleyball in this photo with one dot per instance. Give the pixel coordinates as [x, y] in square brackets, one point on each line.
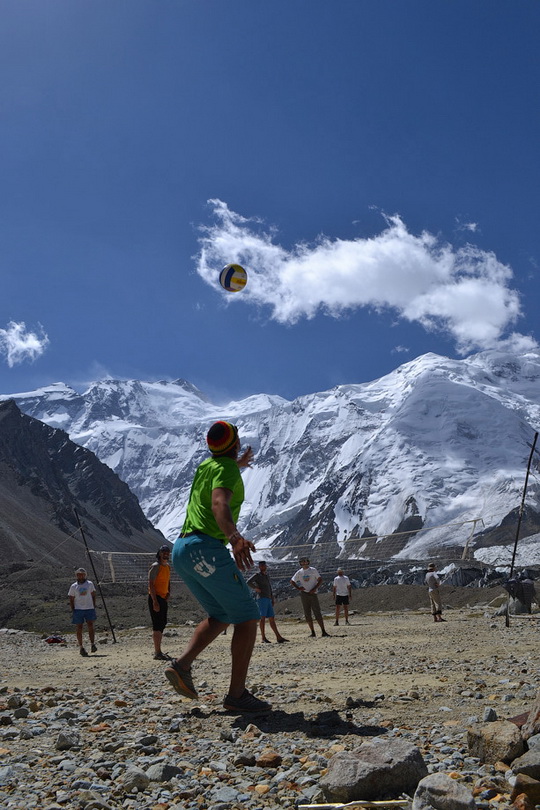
[233, 278]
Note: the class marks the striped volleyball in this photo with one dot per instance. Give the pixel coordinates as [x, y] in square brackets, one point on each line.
[233, 278]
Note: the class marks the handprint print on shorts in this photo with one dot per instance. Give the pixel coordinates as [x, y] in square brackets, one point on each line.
[202, 566]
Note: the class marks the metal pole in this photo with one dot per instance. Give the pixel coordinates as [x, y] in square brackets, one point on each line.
[98, 583]
[520, 516]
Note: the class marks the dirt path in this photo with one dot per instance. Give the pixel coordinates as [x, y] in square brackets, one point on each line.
[402, 670]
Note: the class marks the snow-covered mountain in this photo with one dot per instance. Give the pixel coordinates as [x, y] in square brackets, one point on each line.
[435, 442]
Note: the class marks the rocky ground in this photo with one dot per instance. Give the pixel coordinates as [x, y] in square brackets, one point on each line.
[107, 731]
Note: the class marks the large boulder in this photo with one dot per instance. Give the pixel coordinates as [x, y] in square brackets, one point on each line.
[532, 724]
[528, 785]
[494, 742]
[529, 764]
[439, 792]
[379, 769]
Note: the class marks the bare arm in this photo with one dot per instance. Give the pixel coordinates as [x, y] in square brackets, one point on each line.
[241, 547]
[152, 574]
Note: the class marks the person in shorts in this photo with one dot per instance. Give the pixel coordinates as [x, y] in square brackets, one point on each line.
[82, 601]
[433, 582]
[307, 580]
[262, 586]
[159, 590]
[342, 591]
[202, 559]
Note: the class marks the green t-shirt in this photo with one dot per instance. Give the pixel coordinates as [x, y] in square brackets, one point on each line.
[221, 471]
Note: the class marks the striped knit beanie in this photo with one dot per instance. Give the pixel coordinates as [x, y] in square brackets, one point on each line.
[221, 438]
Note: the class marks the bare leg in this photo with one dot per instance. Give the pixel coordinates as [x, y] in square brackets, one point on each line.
[204, 634]
[273, 625]
[91, 634]
[338, 609]
[261, 625]
[78, 631]
[346, 612]
[242, 644]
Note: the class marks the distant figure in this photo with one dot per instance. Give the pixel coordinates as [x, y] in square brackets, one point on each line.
[201, 557]
[82, 600]
[261, 584]
[342, 591]
[433, 582]
[159, 590]
[307, 580]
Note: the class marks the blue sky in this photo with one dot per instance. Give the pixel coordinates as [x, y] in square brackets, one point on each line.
[374, 165]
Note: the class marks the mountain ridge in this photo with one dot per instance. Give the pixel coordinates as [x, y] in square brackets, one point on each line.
[436, 441]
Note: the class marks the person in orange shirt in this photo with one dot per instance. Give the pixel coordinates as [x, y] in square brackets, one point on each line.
[159, 578]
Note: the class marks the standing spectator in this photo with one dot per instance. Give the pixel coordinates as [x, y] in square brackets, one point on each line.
[159, 590]
[82, 600]
[433, 582]
[342, 592]
[307, 580]
[263, 587]
[202, 559]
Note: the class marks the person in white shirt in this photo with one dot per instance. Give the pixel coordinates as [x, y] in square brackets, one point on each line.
[433, 582]
[342, 592]
[82, 600]
[307, 580]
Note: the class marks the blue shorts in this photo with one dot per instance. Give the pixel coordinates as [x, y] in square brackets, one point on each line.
[212, 576]
[80, 616]
[266, 608]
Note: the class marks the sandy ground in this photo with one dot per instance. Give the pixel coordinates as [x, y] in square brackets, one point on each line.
[403, 670]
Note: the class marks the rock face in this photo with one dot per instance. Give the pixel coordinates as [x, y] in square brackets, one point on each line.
[377, 770]
[494, 742]
[44, 477]
[439, 792]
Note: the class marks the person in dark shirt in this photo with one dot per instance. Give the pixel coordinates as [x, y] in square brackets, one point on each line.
[261, 584]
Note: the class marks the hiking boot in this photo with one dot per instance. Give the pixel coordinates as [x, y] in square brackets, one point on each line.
[83, 651]
[93, 648]
[246, 703]
[181, 680]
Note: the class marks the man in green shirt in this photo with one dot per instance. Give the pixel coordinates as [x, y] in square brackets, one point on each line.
[201, 557]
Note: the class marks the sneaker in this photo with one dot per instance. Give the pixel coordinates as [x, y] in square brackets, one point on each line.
[161, 656]
[266, 641]
[83, 651]
[246, 703]
[282, 640]
[181, 680]
[93, 648]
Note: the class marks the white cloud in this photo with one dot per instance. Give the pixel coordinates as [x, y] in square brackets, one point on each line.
[464, 292]
[18, 345]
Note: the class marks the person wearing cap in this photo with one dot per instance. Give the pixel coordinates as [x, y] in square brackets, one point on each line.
[202, 559]
[260, 582]
[159, 590]
[82, 601]
[342, 592]
[307, 580]
[433, 582]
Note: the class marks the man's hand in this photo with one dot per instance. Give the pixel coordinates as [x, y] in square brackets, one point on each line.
[246, 458]
[241, 549]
